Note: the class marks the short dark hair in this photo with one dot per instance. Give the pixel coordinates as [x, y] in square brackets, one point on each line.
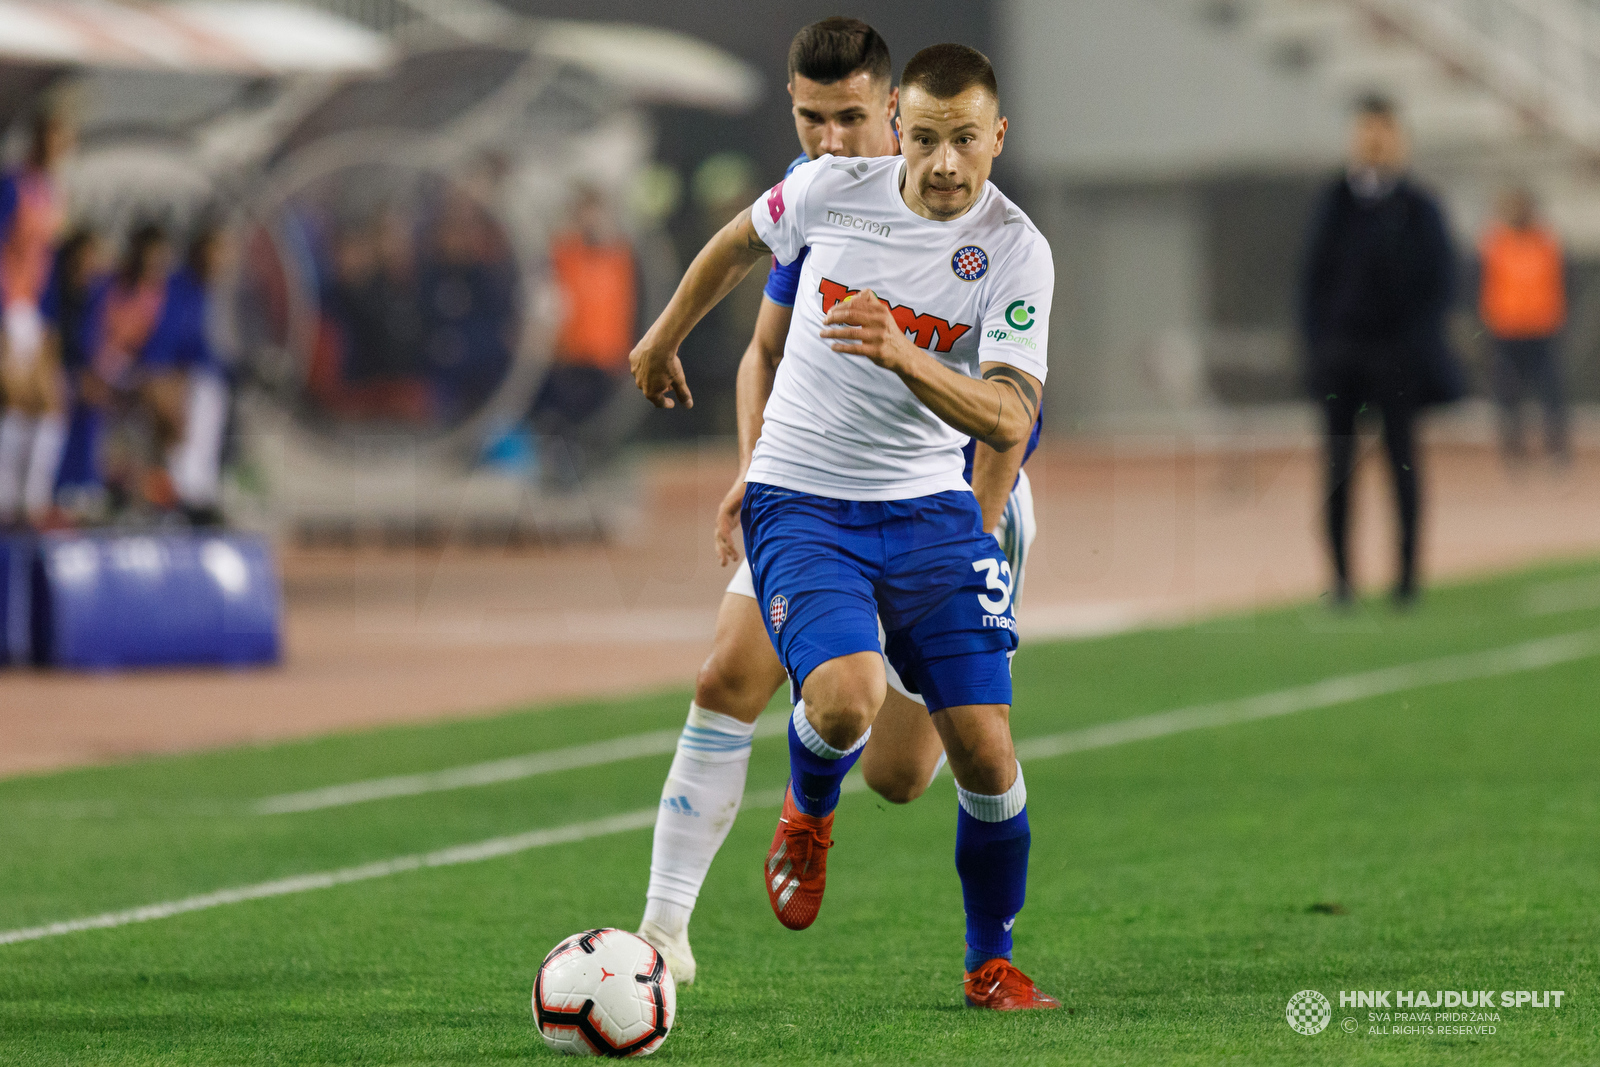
[946, 70]
[1375, 105]
[836, 48]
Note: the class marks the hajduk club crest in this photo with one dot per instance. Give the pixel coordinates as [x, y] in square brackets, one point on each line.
[969, 263]
[777, 611]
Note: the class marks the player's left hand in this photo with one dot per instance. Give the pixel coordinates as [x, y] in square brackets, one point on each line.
[862, 325]
[658, 373]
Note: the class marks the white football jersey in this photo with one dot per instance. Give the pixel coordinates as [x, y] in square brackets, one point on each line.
[970, 291]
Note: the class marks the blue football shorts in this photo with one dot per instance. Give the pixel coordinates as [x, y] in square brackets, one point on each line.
[826, 570]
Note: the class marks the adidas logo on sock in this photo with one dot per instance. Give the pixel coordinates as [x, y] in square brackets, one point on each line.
[680, 805]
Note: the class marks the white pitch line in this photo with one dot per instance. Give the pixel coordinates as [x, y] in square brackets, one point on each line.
[512, 769]
[1512, 659]
[493, 848]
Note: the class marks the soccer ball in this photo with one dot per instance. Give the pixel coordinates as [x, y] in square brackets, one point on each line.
[604, 993]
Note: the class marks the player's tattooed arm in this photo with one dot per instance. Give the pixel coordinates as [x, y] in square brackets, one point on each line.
[1019, 383]
[721, 265]
[993, 411]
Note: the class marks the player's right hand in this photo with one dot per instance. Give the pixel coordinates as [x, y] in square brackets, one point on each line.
[727, 522]
[657, 372]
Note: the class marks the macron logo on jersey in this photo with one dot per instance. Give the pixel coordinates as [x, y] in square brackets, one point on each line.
[924, 328]
[775, 202]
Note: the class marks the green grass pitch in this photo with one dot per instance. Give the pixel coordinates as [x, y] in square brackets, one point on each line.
[1451, 832]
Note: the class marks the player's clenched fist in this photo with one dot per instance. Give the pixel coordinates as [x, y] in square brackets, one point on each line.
[658, 371]
[863, 325]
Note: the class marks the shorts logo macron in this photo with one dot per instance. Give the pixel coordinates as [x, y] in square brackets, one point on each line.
[775, 202]
[970, 263]
[777, 611]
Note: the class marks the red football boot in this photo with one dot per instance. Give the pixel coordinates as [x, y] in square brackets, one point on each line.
[999, 986]
[797, 864]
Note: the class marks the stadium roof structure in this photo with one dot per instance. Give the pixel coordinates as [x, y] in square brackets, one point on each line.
[653, 64]
[249, 37]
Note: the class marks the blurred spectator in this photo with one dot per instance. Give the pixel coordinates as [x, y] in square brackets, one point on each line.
[33, 429]
[73, 280]
[369, 365]
[1522, 299]
[129, 375]
[594, 269]
[182, 342]
[1374, 293]
[468, 285]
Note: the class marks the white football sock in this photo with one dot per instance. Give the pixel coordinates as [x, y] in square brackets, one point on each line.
[16, 437]
[813, 740]
[999, 808]
[698, 805]
[44, 461]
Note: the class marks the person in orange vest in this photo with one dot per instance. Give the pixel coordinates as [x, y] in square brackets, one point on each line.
[1522, 299]
[595, 272]
[33, 430]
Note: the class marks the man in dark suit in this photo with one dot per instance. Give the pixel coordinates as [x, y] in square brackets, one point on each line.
[1377, 283]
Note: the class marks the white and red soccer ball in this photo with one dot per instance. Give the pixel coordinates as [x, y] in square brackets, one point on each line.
[604, 993]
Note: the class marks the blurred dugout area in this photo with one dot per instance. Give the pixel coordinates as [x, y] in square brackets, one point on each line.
[437, 209]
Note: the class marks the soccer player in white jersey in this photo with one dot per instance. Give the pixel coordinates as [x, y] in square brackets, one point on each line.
[923, 320]
[839, 81]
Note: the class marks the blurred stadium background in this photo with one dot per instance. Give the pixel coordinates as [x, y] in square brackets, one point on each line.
[447, 221]
[461, 565]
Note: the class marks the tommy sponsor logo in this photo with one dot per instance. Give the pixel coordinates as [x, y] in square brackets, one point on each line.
[775, 202]
[856, 222]
[926, 331]
[777, 611]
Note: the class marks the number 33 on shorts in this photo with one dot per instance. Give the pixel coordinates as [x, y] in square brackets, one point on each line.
[998, 579]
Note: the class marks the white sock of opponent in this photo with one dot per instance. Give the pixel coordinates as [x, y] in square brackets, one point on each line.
[16, 440]
[44, 462]
[698, 805]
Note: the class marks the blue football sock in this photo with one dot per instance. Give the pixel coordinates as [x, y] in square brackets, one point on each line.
[976, 959]
[816, 768]
[992, 839]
